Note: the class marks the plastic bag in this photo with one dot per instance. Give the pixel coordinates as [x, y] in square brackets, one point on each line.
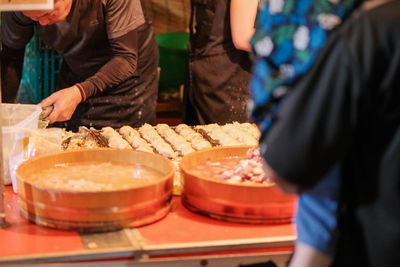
[34, 142]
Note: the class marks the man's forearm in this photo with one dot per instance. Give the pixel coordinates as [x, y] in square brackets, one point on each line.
[118, 69]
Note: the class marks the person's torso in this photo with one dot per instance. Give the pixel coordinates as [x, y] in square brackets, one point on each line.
[372, 180]
[83, 38]
[211, 30]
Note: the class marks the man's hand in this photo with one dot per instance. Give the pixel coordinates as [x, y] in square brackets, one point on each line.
[64, 102]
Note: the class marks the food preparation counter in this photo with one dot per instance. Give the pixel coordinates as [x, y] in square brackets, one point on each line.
[182, 238]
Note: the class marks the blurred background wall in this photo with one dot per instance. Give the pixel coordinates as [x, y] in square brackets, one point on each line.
[169, 15]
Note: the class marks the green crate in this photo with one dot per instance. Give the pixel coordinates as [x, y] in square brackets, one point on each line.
[173, 52]
[40, 69]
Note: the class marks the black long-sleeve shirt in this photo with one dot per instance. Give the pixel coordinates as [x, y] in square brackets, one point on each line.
[347, 108]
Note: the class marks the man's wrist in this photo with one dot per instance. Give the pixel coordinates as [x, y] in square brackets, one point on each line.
[81, 91]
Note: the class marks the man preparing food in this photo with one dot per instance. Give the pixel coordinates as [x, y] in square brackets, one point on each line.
[110, 58]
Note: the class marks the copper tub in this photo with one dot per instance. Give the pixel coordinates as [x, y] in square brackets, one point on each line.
[242, 203]
[96, 211]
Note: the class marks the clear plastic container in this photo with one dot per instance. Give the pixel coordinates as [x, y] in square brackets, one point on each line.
[14, 119]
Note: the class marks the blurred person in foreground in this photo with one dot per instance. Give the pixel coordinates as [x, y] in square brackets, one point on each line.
[342, 106]
[217, 82]
[110, 58]
[288, 38]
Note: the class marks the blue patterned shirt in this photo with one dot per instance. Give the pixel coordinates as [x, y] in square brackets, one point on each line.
[289, 34]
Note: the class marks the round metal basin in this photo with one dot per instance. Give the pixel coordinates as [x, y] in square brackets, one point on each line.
[92, 210]
[243, 203]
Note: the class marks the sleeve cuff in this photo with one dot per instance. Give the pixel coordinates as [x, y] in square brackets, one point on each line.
[87, 89]
[82, 91]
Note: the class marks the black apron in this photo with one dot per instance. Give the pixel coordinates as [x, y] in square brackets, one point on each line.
[217, 83]
[132, 102]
